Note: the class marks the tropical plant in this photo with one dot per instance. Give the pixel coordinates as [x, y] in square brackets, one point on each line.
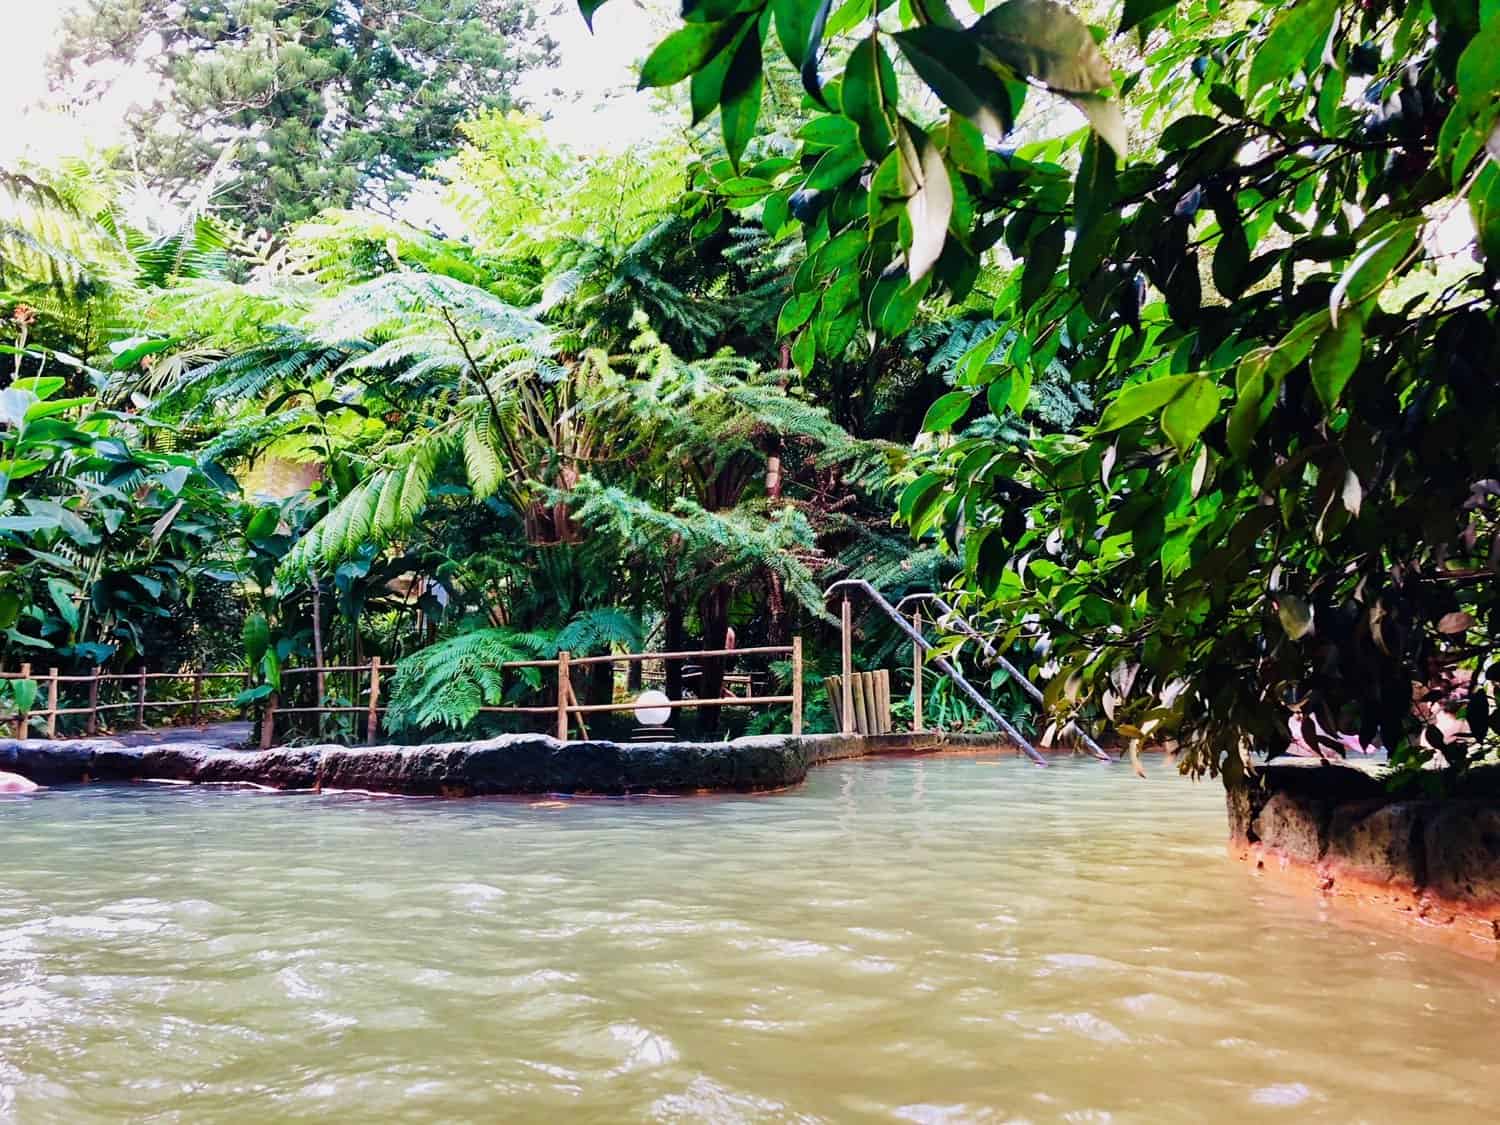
[1287, 500]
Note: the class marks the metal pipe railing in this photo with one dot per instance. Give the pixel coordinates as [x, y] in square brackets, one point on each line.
[941, 663]
[962, 623]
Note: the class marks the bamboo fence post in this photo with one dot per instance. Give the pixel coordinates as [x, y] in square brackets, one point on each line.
[796, 686]
[862, 709]
[140, 699]
[916, 674]
[52, 703]
[197, 696]
[93, 721]
[563, 689]
[23, 719]
[268, 722]
[372, 717]
[846, 723]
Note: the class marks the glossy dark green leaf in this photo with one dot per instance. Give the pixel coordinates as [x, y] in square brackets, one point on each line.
[707, 87]
[943, 414]
[835, 167]
[1189, 412]
[684, 51]
[1044, 40]
[740, 107]
[1141, 399]
[951, 62]
[869, 94]
[1144, 14]
[1043, 256]
[1231, 257]
[913, 493]
[1335, 357]
[1295, 30]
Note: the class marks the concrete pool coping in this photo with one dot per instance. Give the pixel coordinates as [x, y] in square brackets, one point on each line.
[516, 764]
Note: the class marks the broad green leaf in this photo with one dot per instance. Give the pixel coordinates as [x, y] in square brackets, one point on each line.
[795, 312]
[1144, 14]
[707, 87]
[1141, 399]
[828, 131]
[1295, 31]
[943, 414]
[805, 351]
[1373, 267]
[952, 64]
[1044, 40]
[869, 95]
[929, 202]
[683, 52]
[255, 634]
[1231, 257]
[999, 392]
[1190, 412]
[63, 594]
[1043, 256]
[794, 22]
[740, 108]
[966, 148]
[835, 167]
[913, 493]
[1335, 357]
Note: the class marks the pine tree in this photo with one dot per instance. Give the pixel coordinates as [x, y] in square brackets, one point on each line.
[327, 103]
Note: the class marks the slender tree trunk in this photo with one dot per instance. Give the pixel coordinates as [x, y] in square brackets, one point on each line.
[672, 641]
[713, 612]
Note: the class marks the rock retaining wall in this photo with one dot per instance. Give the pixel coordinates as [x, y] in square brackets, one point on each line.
[513, 764]
[1338, 829]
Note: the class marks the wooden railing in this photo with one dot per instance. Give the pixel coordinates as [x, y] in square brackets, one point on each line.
[567, 711]
[51, 685]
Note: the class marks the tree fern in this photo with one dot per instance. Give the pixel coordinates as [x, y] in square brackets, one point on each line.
[445, 684]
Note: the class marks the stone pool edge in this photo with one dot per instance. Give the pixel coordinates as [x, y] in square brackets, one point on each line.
[1335, 830]
[510, 765]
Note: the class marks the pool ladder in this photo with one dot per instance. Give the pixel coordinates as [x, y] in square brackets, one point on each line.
[952, 618]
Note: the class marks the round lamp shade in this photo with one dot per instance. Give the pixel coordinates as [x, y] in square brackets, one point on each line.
[649, 711]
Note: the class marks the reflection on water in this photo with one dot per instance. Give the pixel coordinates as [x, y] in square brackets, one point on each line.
[931, 940]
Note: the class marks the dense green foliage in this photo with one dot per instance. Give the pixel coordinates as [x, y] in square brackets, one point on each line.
[322, 104]
[1288, 500]
[1168, 340]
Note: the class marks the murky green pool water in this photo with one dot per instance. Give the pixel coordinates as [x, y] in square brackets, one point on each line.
[936, 939]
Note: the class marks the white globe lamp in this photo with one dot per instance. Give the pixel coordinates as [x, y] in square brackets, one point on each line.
[650, 710]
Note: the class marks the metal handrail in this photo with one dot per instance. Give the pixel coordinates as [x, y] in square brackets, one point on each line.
[963, 625]
[941, 663]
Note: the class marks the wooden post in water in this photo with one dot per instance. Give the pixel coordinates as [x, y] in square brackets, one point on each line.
[23, 717]
[563, 688]
[846, 722]
[93, 722]
[796, 686]
[372, 716]
[52, 703]
[916, 674]
[197, 696]
[140, 699]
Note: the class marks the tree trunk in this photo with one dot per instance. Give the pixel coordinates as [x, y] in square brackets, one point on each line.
[713, 612]
[672, 642]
